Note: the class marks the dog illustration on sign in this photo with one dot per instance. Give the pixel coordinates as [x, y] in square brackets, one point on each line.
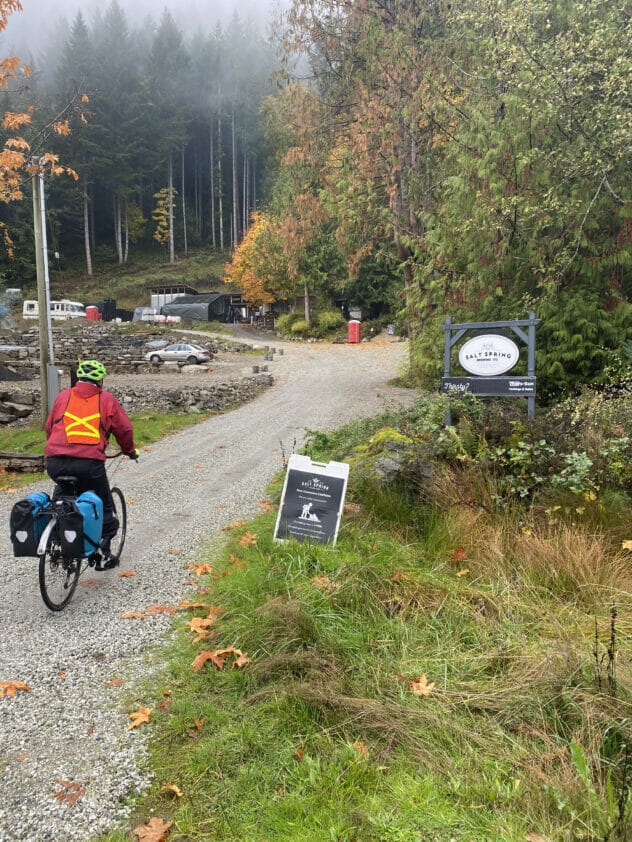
[306, 514]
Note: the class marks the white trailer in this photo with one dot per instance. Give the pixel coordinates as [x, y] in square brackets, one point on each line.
[60, 310]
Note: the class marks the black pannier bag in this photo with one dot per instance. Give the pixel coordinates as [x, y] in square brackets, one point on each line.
[69, 527]
[27, 522]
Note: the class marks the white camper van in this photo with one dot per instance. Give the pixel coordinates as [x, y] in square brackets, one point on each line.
[63, 309]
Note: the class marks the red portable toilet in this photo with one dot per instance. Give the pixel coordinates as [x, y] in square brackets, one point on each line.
[92, 313]
[353, 331]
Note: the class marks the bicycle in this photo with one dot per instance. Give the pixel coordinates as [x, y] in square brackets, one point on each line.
[59, 574]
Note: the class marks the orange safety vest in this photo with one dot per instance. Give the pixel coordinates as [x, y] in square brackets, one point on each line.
[82, 419]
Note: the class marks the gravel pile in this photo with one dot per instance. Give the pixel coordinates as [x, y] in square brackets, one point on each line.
[72, 725]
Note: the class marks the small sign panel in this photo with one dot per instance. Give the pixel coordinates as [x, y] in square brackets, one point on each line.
[312, 501]
[489, 355]
[489, 386]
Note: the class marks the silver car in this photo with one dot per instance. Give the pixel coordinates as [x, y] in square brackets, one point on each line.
[180, 353]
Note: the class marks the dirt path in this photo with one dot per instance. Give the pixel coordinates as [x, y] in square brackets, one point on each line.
[72, 725]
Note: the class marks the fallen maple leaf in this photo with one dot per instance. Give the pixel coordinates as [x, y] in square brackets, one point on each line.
[234, 525]
[115, 682]
[201, 569]
[62, 674]
[138, 717]
[361, 749]
[70, 791]
[463, 572]
[241, 661]
[21, 757]
[396, 577]
[264, 504]
[247, 539]
[161, 609]
[174, 552]
[173, 788]
[127, 574]
[626, 545]
[299, 754]
[199, 723]
[201, 659]
[10, 688]
[199, 467]
[133, 615]
[457, 555]
[156, 831]
[130, 502]
[90, 583]
[90, 730]
[420, 686]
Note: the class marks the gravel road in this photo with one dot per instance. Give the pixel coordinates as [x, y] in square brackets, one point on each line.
[72, 724]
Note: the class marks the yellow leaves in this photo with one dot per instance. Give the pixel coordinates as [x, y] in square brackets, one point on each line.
[70, 791]
[13, 120]
[361, 749]
[156, 831]
[61, 127]
[17, 143]
[218, 658]
[200, 569]
[86, 98]
[420, 686]
[172, 788]
[247, 539]
[138, 717]
[10, 688]
[463, 572]
[626, 545]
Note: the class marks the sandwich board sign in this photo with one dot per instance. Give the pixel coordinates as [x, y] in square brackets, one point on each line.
[312, 501]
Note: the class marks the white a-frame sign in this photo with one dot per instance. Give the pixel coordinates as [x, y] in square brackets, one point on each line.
[312, 501]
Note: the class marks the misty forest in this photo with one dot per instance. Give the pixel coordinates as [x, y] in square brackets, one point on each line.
[421, 159]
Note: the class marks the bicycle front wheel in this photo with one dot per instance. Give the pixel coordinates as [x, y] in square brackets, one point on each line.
[120, 513]
[58, 577]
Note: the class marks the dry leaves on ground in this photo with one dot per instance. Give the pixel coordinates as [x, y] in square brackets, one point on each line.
[173, 788]
[127, 574]
[114, 682]
[234, 525]
[138, 717]
[201, 569]
[133, 615]
[247, 539]
[70, 791]
[156, 831]
[420, 686]
[161, 609]
[361, 749]
[10, 688]
[90, 583]
[218, 658]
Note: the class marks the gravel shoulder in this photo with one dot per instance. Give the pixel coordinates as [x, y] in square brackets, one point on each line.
[71, 725]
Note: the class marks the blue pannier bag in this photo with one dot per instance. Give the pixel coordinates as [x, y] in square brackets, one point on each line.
[27, 522]
[79, 524]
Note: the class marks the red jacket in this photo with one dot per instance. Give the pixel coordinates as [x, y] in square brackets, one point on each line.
[113, 421]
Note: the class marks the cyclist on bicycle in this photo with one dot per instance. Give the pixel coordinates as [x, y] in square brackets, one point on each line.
[78, 430]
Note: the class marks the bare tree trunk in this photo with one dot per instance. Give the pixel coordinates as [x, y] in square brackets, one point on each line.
[86, 228]
[212, 163]
[126, 251]
[220, 186]
[235, 214]
[308, 312]
[196, 189]
[244, 197]
[116, 203]
[184, 210]
[172, 258]
[92, 235]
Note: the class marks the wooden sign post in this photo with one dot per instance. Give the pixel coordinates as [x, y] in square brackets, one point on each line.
[312, 501]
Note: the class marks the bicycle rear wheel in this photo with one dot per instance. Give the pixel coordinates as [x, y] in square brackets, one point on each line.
[120, 513]
[58, 577]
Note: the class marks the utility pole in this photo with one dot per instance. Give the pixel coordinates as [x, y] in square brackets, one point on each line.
[47, 396]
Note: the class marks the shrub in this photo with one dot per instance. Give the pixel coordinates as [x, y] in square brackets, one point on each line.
[330, 321]
[300, 328]
[286, 320]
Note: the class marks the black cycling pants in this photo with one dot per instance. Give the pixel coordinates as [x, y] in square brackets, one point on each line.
[92, 477]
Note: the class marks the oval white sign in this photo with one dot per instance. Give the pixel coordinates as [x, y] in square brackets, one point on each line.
[489, 355]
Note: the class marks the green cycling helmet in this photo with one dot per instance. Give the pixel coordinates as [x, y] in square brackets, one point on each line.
[91, 370]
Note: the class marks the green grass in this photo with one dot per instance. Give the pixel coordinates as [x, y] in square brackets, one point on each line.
[321, 737]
